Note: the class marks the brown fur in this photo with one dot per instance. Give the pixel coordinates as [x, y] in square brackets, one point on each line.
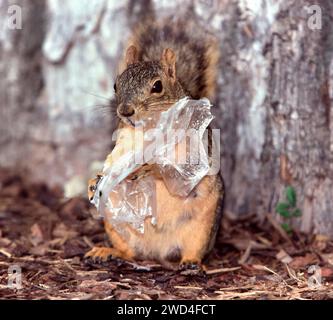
[186, 65]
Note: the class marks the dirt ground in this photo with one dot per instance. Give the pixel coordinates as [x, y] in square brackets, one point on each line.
[47, 236]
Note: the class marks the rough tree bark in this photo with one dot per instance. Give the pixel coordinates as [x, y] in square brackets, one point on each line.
[276, 93]
[274, 101]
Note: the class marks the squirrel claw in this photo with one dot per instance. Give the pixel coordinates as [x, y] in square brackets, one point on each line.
[99, 255]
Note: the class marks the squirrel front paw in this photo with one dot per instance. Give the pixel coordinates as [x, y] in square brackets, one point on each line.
[92, 186]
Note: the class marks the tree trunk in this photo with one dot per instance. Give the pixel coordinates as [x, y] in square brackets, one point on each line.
[274, 100]
[276, 91]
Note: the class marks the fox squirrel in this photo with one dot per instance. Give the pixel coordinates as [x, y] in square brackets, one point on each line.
[165, 62]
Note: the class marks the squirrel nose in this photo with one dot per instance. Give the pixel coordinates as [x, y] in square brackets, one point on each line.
[126, 110]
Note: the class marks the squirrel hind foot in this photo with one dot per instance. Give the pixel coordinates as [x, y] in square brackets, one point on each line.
[192, 268]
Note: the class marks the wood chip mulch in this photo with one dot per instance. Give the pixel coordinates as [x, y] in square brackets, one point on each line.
[47, 236]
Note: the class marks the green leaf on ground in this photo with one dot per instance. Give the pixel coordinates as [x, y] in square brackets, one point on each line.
[283, 209]
[286, 227]
[291, 196]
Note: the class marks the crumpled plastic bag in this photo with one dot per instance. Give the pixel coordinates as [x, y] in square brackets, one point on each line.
[172, 141]
[132, 201]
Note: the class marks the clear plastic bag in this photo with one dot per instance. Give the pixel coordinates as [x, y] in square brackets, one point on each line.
[132, 201]
[173, 142]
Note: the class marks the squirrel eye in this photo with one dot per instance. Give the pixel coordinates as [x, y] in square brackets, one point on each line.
[157, 87]
[115, 88]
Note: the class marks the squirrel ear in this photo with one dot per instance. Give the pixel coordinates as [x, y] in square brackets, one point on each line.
[169, 63]
[132, 55]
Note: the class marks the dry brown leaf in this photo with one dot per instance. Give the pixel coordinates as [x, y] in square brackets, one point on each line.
[326, 272]
[242, 244]
[36, 236]
[328, 258]
[39, 250]
[4, 242]
[320, 242]
[91, 286]
[62, 231]
[322, 238]
[303, 261]
[284, 257]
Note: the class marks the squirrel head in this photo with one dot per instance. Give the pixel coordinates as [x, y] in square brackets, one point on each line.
[147, 86]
